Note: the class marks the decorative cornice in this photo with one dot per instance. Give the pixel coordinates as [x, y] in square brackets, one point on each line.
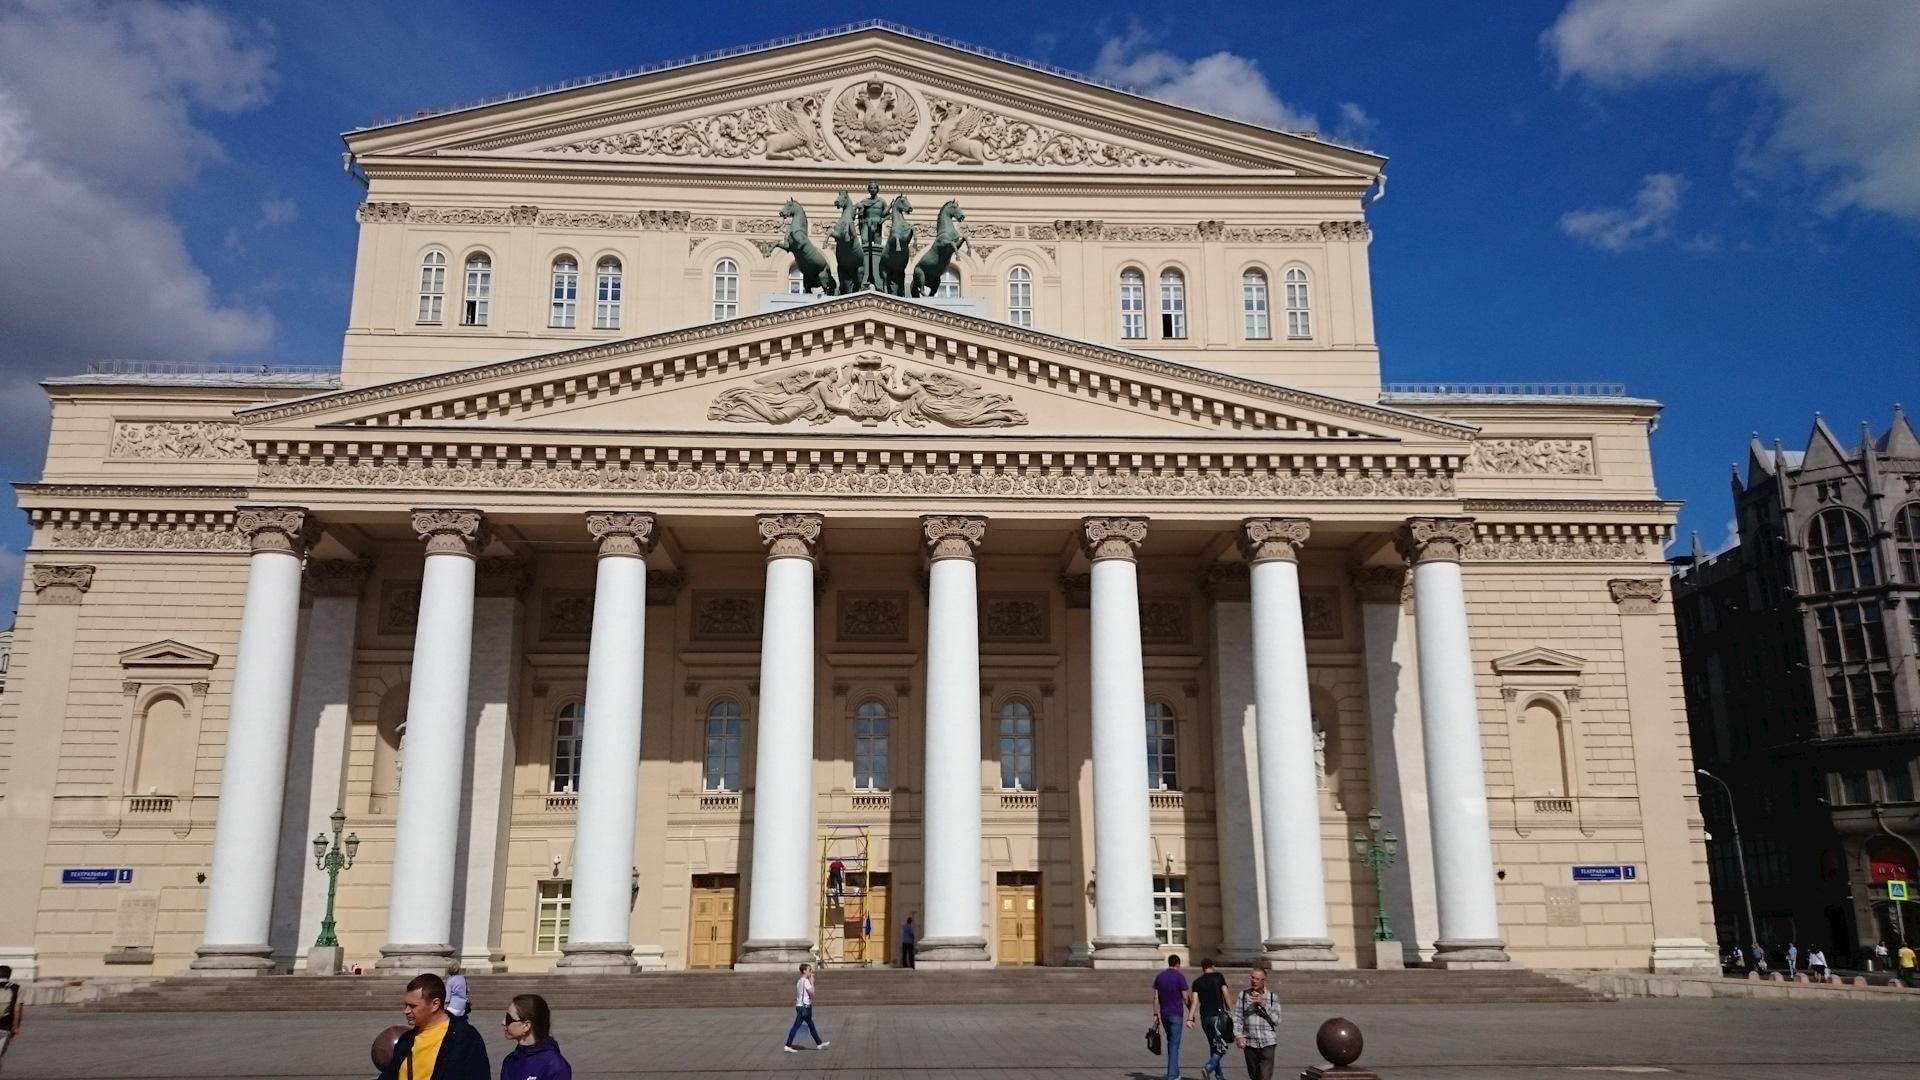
[288, 529]
[53, 584]
[133, 491]
[336, 577]
[953, 537]
[790, 535]
[1569, 506]
[138, 530]
[1500, 541]
[1112, 537]
[625, 534]
[1637, 596]
[1379, 584]
[452, 532]
[1434, 539]
[1267, 539]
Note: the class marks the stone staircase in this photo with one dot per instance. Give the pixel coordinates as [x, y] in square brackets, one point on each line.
[840, 987]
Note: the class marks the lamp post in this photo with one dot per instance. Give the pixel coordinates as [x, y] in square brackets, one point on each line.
[1739, 856]
[333, 858]
[1377, 849]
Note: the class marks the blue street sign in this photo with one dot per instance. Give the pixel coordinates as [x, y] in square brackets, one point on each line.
[97, 875]
[1602, 873]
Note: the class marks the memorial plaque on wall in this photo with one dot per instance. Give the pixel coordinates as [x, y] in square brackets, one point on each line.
[133, 928]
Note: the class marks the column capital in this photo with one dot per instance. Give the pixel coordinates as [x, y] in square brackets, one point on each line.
[1267, 539]
[952, 536]
[452, 532]
[1112, 537]
[335, 577]
[1637, 596]
[622, 533]
[1434, 539]
[61, 584]
[277, 528]
[791, 535]
[1380, 584]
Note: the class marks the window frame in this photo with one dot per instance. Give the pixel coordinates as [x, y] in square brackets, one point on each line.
[432, 291]
[1163, 746]
[555, 894]
[1020, 296]
[563, 293]
[1169, 901]
[609, 289]
[1173, 304]
[726, 288]
[1906, 541]
[733, 730]
[1002, 715]
[569, 736]
[1133, 304]
[949, 287]
[1847, 563]
[1256, 304]
[476, 294]
[1297, 281]
[872, 749]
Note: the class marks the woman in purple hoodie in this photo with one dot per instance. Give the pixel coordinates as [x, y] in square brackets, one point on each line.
[537, 1057]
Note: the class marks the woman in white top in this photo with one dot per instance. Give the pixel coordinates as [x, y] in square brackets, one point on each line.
[803, 1012]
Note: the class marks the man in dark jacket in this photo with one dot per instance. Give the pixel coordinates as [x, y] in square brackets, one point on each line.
[438, 1045]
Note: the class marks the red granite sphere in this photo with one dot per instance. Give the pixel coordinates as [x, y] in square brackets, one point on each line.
[1339, 1041]
[383, 1044]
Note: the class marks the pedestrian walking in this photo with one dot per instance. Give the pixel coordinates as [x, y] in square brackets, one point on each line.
[1172, 1010]
[1817, 963]
[535, 1056]
[803, 1012]
[1216, 1019]
[906, 943]
[1256, 1016]
[1793, 959]
[1882, 961]
[458, 1002]
[1906, 963]
[1759, 958]
[438, 1045]
[1739, 959]
[15, 1015]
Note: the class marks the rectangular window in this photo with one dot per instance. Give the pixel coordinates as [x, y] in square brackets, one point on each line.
[566, 298]
[723, 754]
[870, 753]
[1897, 781]
[1133, 308]
[606, 305]
[1173, 308]
[1253, 307]
[1854, 788]
[1170, 909]
[479, 296]
[1020, 302]
[555, 917]
[1016, 757]
[433, 292]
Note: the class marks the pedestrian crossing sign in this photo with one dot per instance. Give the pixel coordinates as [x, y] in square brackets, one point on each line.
[1897, 890]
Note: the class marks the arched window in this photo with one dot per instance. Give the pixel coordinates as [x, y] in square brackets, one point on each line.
[1020, 297]
[1906, 538]
[1253, 305]
[606, 291]
[566, 293]
[1539, 752]
[167, 749]
[1299, 307]
[723, 747]
[726, 289]
[569, 727]
[870, 723]
[479, 289]
[796, 282]
[1016, 746]
[433, 287]
[949, 285]
[1839, 551]
[1133, 304]
[1162, 747]
[1173, 304]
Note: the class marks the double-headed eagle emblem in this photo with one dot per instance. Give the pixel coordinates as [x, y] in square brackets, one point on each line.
[875, 119]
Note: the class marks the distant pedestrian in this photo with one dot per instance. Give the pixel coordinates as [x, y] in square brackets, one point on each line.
[15, 1016]
[1817, 963]
[906, 943]
[1793, 959]
[1739, 959]
[1256, 1016]
[1906, 963]
[1759, 958]
[1172, 1010]
[457, 999]
[1216, 1019]
[437, 1045]
[803, 1012]
[529, 1024]
[1882, 960]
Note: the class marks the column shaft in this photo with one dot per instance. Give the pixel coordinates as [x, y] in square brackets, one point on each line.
[1243, 910]
[1122, 837]
[954, 935]
[1398, 758]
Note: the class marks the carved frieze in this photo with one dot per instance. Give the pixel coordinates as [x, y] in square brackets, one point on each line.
[399, 607]
[181, 536]
[193, 440]
[870, 392]
[726, 615]
[1013, 618]
[1320, 613]
[969, 134]
[873, 616]
[874, 119]
[1560, 549]
[384, 212]
[566, 614]
[774, 131]
[1529, 457]
[1165, 620]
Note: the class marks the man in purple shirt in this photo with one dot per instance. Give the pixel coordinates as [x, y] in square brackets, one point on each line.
[1172, 1010]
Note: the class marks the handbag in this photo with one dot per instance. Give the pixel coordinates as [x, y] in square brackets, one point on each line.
[1153, 1040]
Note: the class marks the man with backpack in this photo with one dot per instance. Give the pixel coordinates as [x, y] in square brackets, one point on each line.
[1256, 1017]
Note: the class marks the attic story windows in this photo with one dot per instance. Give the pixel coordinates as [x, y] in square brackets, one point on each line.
[566, 293]
[433, 287]
[1253, 305]
[606, 305]
[1133, 303]
[1299, 306]
[1020, 297]
[479, 290]
[726, 289]
[1173, 304]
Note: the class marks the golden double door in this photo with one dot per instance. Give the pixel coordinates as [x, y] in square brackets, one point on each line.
[1017, 922]
[710, 938]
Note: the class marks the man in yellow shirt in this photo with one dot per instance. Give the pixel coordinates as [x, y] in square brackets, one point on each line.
[1906, 963]
[438, 1045]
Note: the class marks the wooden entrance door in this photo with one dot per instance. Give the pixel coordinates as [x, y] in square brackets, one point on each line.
[1018, 921]
[872, 949]
[710, 938]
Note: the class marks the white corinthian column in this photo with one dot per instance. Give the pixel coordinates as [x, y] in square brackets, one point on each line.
[779, 907]
[610, 773]
[427, 827]
[1456, 770]
[253, 777]
[1122, 837]
[1283, 714]
[951, 819]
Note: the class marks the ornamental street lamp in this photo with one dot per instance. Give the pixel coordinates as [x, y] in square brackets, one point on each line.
[333, 859]
[1740, 859]
[1377, 849]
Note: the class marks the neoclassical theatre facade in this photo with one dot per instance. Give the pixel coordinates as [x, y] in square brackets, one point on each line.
[1030, 532]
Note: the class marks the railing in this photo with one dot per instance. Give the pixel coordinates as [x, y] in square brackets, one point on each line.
[719, 800]
[1867, 727]
[1553, 806]
[199, 367]
[1019, 800]
[1166, 800]
[871, 800]
[562, 802]
[150, 804]
[1434, 390]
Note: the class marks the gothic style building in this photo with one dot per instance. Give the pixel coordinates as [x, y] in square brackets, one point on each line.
[1032, 536]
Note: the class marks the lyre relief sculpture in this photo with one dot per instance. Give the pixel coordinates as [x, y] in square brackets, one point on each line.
[870, 391]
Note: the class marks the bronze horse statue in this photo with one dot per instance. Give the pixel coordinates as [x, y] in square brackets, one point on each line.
[846, 246]
[806, 258]
[893, 262]
[947, 242]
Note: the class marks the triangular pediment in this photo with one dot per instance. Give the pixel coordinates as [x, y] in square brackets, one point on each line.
[861, 99]
[865, 365]
[1540, 661]
[168, 654]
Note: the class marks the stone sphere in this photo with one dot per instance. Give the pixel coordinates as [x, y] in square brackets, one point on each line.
[1339, 1041]
[383, 1044]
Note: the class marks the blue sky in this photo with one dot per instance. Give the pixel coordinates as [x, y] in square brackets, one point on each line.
[1716, 202]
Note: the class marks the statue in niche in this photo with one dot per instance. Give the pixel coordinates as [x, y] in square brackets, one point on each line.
[806, 258]
[947, 242]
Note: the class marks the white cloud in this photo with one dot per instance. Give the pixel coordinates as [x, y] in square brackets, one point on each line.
[1649, 220]
[1223, 83]
[1844, 72]
[275, 212]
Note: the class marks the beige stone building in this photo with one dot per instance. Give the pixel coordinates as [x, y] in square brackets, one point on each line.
[1081, 609]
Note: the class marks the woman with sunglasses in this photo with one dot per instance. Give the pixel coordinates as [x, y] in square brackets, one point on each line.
[530, 1023]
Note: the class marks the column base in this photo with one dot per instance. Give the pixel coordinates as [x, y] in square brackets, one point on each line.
[1470, 954]
[775, 954]
[1683, 954]
[415, 958]
[231, 960]
[482, 963]
[649, 958]
[1300, 954]
[595, 958]
[1240, 955]
[1389, 955]
[951, 953]
[1127, 952]
[325, 960]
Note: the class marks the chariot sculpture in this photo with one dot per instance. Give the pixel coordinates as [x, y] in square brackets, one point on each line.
[874, 243]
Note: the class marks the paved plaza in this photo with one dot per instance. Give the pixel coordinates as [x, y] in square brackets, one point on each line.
[1745, 1040]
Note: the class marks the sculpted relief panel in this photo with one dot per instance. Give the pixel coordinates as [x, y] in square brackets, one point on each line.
[869, 391]
[180, 441]
[776, 131]
[969, 134]
[1529, 457]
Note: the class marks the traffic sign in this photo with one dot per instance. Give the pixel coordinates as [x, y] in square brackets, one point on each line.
[1897, 890]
